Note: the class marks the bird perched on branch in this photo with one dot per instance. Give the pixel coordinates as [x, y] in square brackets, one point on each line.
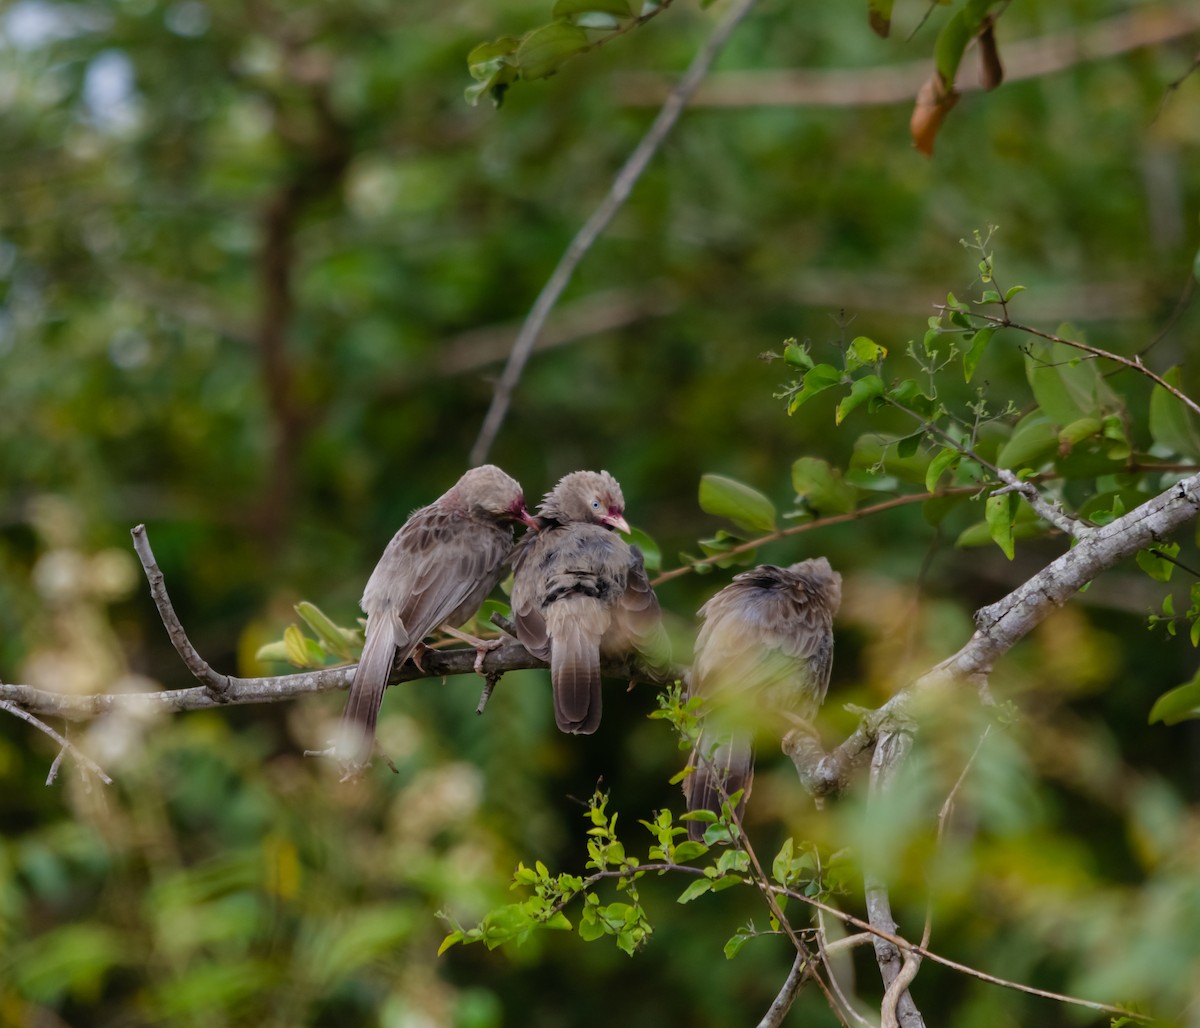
[764, 651]
[579, 590]
[435, 572]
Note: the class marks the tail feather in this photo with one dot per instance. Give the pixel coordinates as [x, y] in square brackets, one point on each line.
[356, 737]
[730, 766]
[575, 676]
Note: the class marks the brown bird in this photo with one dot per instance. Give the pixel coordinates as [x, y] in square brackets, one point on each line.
[436, 571]
[765, 650]
[579, 590]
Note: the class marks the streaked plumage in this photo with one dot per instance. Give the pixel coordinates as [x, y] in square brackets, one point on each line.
[765, 649]
[579, 590]
[438, 569]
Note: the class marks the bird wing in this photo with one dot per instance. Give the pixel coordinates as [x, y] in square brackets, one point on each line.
[439, 567]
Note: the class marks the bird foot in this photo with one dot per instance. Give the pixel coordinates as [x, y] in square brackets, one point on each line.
[482, 647]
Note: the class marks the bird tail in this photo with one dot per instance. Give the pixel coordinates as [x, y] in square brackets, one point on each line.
[356, 734]
[728, 765]
[575, 674]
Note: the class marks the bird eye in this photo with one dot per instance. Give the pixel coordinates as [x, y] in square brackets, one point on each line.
[595, 504]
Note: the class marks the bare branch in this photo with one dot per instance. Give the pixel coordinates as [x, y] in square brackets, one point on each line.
[896, 84]
[586, 237]
[782, 1003]
[1005, 622]
[84, 760]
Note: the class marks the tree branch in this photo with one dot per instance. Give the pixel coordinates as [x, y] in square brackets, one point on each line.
[1004, 623]
[66, 745]
[584, 239]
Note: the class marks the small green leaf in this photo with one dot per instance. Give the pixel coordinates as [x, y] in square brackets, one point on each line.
[862, 389]
[943, 462]
[1076, 432]
[1012, 291]
[909, 445]
[689, 850]
[950, 44]
[651, 553]
[972, 354]
[1000, 512]
[696, 889]
[1155, 563]
[1033, 442]
[822, 487]
[1172, 423]
[330, 635]
[816, 380]
[745, 507]
[1179, 704]
[450, 940]
[544, 50]
[796, 354]
[1066, 385]
[734, 946]
[273, 652]
[863, 351]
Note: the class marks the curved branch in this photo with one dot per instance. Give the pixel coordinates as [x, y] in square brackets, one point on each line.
[584, 239]
[1004, 623]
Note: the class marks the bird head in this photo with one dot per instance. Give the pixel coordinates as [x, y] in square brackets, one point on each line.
[586, 496]
[494, 494]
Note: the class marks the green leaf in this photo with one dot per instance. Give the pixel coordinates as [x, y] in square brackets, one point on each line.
[1000, 512]
[1012, 291]
[651, 553]
[544, 50]
[863, 351]
[330, 635]
[822, 487]
[783, 861]
[734, 946]
[816, 380]
[688, 850]
[1067, 385]
[862, 389]
[796, 354]
[971, 355]
[493, 66]
[908, 395]
[1179, 704]
[696, 889]
[943, 462]
[452, 939]
[1172, 423]
[273, 652]
[1076, 432]
[745, 507]
[1034, 441]
[951, 42]
[1155, 563]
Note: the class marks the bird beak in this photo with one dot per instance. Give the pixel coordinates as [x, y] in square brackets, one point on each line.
[529, 521]
[615, 520]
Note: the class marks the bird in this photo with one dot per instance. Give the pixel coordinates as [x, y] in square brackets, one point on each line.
[436, 571]
[579, 591]
[764, 650]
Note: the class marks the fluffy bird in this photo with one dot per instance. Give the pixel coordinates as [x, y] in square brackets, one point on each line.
[765, 648]
[579, 590]
[435, 572]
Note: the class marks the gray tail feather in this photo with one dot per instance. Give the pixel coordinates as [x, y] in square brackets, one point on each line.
[731, 765]
[356, 739]
[575, 676]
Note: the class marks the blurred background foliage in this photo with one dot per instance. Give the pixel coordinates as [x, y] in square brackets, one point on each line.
[259, 263]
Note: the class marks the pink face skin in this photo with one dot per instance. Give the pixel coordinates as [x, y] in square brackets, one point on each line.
[615, 519]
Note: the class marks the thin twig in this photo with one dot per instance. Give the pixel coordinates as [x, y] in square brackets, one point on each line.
[586, 237]
[216, 683]
[66, 745]
[1132, 363]
[809, 526]
[782, 1003]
